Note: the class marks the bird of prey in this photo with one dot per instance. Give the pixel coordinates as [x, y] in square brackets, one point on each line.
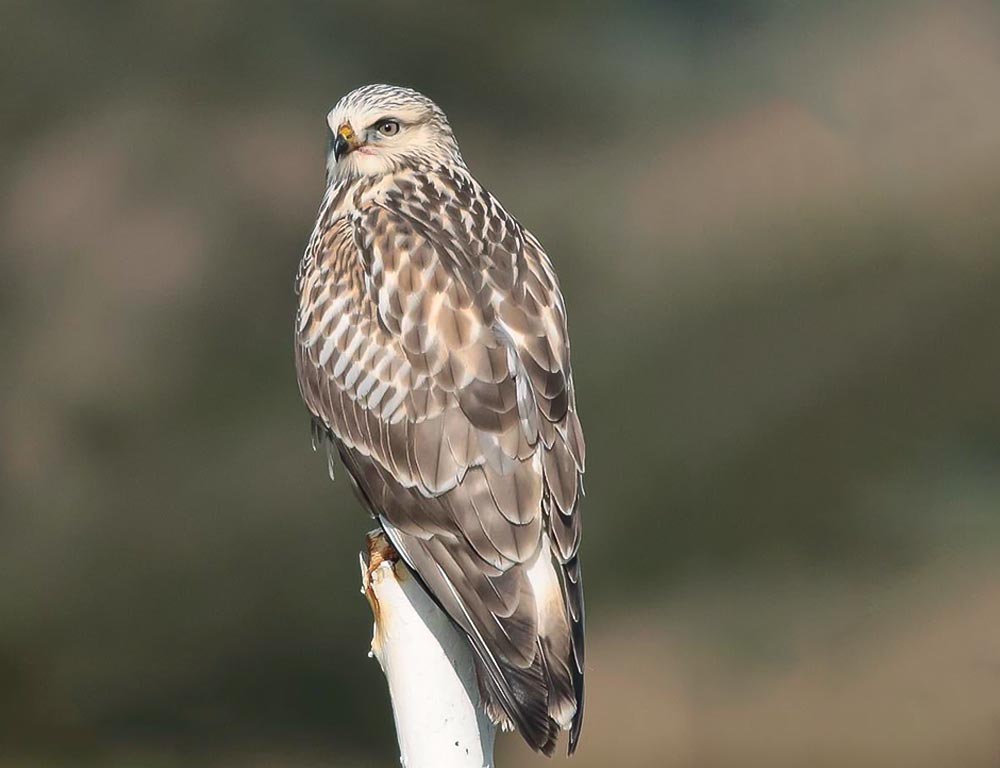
[431, 348]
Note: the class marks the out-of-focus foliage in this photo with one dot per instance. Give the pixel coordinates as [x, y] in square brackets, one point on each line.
[776, 227]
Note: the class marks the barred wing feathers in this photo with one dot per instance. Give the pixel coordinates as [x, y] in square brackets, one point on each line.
[432, 346]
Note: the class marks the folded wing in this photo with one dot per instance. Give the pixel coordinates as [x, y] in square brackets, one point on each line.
[432, 345]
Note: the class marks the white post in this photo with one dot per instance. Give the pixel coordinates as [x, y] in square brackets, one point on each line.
[428, 663]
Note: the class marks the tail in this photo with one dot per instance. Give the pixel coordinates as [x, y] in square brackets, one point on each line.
[546, 696]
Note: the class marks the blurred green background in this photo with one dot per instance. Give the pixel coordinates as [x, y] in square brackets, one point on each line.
[776, 225]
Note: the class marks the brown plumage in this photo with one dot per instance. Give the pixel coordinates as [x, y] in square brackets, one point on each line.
[431, 348]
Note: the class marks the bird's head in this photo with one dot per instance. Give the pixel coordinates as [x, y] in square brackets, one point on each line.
[379, 129]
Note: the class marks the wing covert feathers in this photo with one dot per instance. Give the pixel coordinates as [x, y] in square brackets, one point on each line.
[431, 346]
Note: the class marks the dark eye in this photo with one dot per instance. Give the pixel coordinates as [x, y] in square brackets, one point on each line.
[387, 127]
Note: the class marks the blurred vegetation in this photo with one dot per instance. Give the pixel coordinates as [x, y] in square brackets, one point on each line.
[776, 228]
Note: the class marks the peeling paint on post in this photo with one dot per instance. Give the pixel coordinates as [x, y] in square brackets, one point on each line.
[429, 666]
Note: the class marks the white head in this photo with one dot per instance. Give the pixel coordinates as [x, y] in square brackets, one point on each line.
[378, 129]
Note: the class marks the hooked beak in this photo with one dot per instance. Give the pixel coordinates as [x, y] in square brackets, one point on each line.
[345, 141]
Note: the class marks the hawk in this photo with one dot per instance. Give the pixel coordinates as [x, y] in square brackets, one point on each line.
[431, 348]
